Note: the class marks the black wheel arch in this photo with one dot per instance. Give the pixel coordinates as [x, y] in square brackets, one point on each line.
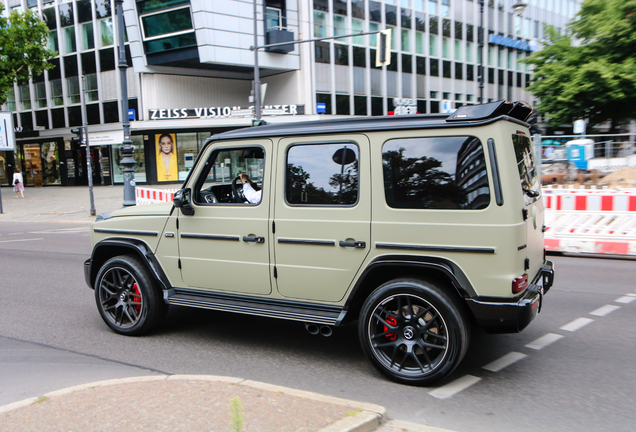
[109, 248]
[387, 267]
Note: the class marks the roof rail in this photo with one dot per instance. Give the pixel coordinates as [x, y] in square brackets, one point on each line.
[519, 110]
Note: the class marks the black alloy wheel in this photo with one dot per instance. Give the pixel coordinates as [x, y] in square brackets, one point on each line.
[127, 297]
[413, 332]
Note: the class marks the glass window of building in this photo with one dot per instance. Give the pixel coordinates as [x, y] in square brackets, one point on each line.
[433, 45]
[357, 8]
[273, 18]
[359, 57]
[340, 7]
[419, 42]
[69, 40]
[406, 18]
[106, 32]
[446, 28]
[40, 94]
[73, 87]
[501, 57]
[321, 53]
[66, 15]
[394, 36]
[373, 27]
[140, 159]
[57, 96]
[102, 9]
[406, 40]
[320, 24]
[433, 25]
[446, 70]
[470, 33]
[338, 25]
[357, 26]
[445, 8]
[166, 22]
[458, 50]
[53, 44]
[91, 87]
[51, 161]
[432, 7]
[11, 100]
[25, 96]
[518, 29]
[375, 11]
[88, 39]
[469, 52]
[390, 15]
[446, 48]
[418, 5]
[84, 11]
[341, 54]
[187, 149]
[420, 65]
[405, 3]
[526, 28]
[491, 56]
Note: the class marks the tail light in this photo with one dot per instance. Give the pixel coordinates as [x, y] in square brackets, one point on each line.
[520, 283]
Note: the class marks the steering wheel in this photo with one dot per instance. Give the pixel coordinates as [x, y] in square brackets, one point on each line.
[236, 192]
[209, 197]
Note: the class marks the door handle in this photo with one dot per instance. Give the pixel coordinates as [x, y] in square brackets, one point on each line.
[355, 244]
[254, 239]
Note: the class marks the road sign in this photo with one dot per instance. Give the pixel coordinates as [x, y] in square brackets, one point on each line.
[7, 133]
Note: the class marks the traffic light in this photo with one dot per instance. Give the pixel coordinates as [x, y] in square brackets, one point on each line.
[383, 49]
[80, 131]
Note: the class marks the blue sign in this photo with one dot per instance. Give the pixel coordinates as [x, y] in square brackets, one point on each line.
[321, 108]
[511, 43]
[131, 114]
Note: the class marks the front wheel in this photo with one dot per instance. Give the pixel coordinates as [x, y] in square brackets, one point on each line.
[128, 299]
[412, 332]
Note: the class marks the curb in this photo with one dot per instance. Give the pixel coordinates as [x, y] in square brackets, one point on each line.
[368, 418]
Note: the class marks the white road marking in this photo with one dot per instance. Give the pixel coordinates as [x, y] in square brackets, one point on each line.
[504, 361]
[544, 341]
[604, 310]
[454, 387]
[21, 240]
[576, 324]
[625, 299]
[16, 233]
[61, 231]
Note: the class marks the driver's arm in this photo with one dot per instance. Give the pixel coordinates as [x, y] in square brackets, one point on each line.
[253, 196]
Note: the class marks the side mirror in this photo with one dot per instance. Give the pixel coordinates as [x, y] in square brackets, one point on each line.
[182, 200]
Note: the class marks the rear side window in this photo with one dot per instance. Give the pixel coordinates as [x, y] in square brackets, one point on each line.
[322, 174]
[435, 173]
[527, 168]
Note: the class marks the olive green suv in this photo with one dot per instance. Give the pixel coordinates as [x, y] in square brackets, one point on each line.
[418, 227]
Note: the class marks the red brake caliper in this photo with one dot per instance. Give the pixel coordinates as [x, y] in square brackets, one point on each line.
[137, 299]
[391, 321]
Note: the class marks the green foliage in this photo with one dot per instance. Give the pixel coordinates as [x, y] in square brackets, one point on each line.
[594, 78]
[236, 415]
[23, 49]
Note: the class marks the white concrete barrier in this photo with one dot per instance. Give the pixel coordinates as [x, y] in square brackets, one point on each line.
[144, 195]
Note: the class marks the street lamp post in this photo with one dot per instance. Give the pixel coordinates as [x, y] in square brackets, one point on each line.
[480, 37]
[126, 148]
[257, 79]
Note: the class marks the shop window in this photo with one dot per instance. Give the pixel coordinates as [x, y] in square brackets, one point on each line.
[139, 156]
[57, 117]
[326, 99]
[360, 105]
[106, 32]
[25, 97]
[187, 150]
[342, 105]
[51, 163]
[111, 112]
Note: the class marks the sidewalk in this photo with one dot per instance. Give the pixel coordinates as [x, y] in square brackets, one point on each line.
[195, 403]
[61, 204]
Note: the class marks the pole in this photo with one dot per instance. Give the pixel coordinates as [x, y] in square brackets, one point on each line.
[126, 148]
[89, 167]
[480, 36]
[257, 79]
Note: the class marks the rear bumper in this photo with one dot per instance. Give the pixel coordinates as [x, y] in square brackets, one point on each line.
[512, 317]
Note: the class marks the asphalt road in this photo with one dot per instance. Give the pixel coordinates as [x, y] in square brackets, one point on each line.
[51, 336]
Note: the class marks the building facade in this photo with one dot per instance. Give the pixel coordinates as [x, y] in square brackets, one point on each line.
[191, 69]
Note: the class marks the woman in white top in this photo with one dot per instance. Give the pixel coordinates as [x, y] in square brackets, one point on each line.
[250, 194]
[18, 183]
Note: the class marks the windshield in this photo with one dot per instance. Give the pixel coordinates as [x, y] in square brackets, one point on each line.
[527, 168]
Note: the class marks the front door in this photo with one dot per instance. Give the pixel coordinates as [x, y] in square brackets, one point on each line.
[224, 245]
[322, 215]
[32, 165]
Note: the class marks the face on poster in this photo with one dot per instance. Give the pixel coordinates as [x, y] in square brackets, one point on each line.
[166, 157]
[165, 143]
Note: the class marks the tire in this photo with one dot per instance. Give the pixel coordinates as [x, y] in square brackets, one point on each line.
[413, 332]
[127, 297]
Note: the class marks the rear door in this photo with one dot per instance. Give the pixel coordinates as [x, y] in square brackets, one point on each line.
[322, 212]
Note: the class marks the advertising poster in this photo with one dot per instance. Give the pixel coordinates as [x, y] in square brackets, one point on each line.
[167, 169]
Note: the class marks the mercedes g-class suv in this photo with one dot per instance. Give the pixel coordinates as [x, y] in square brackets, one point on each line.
[418, 227]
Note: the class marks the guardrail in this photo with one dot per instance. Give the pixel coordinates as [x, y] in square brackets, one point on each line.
[149, 196]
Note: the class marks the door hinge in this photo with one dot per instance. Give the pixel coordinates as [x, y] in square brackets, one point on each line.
[275, 273]
[179, 262]
[526, 264]
[524, 213]
[273, 227]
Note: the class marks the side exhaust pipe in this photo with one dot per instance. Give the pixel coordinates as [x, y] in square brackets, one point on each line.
[326, 331]
[312, 328]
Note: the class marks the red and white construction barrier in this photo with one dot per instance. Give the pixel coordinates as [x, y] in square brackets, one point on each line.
[150, 196]
[598, 221]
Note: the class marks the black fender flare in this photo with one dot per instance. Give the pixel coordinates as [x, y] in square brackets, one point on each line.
[108, 248]
[447, 268]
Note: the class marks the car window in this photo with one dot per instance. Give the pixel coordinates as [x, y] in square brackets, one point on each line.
[526, 166]
[435, 173]
[322, 174]
[222, 169]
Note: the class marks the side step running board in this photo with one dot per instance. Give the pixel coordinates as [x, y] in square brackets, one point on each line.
[305, 312]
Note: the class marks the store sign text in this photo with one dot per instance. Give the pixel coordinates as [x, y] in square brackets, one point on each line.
[227, 111]
[511, 43]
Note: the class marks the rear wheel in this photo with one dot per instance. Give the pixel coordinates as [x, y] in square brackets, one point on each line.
[127, 297]
[413, 332]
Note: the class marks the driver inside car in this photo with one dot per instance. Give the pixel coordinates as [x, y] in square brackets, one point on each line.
[249, 190]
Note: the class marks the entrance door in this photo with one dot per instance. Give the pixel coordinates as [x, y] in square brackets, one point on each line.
[224, 245]
[322, 215]
[32, 165]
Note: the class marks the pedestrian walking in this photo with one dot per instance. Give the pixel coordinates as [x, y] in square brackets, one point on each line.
[18, 183]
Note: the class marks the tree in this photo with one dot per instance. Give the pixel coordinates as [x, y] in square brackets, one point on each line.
[23, 49]
[595, 78]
